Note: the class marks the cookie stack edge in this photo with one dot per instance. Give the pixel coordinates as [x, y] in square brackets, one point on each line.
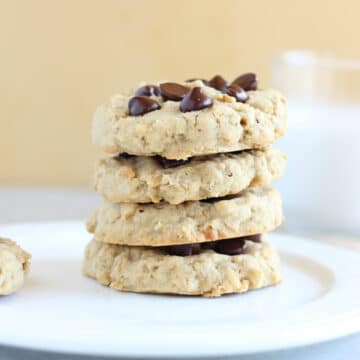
[180, 186]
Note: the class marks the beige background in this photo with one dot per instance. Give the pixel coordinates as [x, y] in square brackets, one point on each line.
[59, 59]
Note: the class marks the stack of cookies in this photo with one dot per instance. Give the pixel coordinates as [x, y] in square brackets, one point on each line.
[185, 183]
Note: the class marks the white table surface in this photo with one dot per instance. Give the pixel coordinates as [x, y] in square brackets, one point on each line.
[41, 204]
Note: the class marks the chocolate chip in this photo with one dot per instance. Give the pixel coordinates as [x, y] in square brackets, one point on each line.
[179, 250]
[208, 245]
[148, 90]
[173, 91]
[218, 83]
[237, 92]
[213, 200]
[140, 105]
[254, 238]
[167, 163]
[247, 81]
[195, 249]
[216, 199]
[124, 155]
[182, 250]
[195, 100]
[240, 152]
[230, 246]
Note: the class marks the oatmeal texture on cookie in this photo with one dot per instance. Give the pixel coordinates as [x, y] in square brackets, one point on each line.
[141, 269]
[14, 266]
[227, 125]
[144, 180]
[254, 211]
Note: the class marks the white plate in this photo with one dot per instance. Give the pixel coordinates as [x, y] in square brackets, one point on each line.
[61, 311]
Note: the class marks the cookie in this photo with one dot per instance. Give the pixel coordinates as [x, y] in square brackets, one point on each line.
[14, 266]
[147, 179]
[205, 121]
[150, 270]
[255, 210]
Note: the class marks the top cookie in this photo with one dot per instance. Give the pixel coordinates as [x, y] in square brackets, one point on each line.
[178, 121]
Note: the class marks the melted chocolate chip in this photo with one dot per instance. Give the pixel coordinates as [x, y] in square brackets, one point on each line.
[233, 246]
[247, 81]
[230, 246]
[195, 100]
[254, 238]
[208, 245]
[140, 105]
[124, 155]
[173, 91]
[237, 92]
[182, 250]
[148, 90]
[195, 249]
[218, 83]
[216, 199]
[167, 163]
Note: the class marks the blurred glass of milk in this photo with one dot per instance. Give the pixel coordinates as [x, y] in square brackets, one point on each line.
[321, 186]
